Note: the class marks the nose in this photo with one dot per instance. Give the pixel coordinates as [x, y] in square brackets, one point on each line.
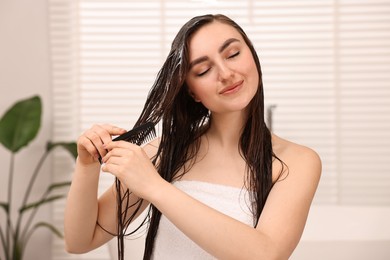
[224, 72]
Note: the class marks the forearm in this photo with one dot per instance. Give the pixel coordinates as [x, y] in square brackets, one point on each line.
[218, 234]
[82, 207]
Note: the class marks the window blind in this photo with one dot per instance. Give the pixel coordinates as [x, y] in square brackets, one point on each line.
[325, 67]
[63, 38]
[364, 102]
[295, 41]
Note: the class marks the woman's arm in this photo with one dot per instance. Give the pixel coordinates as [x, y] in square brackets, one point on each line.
[84, 212]
[81, 211]
[280, 225]
[86, 215]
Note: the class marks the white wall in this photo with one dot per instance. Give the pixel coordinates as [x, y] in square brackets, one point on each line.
[24, 71]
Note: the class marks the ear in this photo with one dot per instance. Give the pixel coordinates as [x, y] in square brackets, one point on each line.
[192, 94]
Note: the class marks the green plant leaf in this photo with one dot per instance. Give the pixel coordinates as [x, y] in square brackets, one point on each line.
[50, 227]
[40, 202]
[20, 124]
[5, 206]
[70, 147]
[58, 185]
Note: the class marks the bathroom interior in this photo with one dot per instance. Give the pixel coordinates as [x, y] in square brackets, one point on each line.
[326, 74]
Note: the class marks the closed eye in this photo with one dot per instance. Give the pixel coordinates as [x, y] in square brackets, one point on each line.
[234, 55]
[203, 73]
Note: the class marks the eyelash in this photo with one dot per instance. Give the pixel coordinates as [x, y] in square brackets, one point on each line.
[230, 57]
[203, 73]
[234, 55]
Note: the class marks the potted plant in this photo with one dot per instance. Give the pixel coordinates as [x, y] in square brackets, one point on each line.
[18, 127]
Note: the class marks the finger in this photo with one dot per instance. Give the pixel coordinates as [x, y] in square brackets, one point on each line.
[88, 146]
[121, 144]
[115, 157]
[114, 130]
[107, 168]
[123, 153]
[111, 168]
[97, 141]
[103, 133]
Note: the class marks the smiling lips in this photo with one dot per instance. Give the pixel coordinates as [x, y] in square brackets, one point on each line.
[232, 88]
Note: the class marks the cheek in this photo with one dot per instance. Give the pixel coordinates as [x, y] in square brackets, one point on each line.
[195, 91]
[199, 87]
[252, 72]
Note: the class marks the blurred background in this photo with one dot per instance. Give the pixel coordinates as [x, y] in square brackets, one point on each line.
[326, 73]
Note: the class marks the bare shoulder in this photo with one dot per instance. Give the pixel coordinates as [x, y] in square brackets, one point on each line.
[296, 174]
[299, 159]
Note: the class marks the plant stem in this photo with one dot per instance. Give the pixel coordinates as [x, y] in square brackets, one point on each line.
[4, 244]
[27, 194]
[23, 235]
[33, 178]
[9, 199]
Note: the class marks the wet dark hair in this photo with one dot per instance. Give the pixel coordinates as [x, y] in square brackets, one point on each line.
[184, 121]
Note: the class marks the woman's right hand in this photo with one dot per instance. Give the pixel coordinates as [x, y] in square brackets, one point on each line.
[90, 143]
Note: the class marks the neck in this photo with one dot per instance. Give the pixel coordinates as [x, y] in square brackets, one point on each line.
[225, 130]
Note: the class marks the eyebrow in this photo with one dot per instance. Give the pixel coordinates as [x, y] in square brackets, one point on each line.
[220, 49]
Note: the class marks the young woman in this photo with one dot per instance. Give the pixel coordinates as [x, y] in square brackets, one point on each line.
[220, 185]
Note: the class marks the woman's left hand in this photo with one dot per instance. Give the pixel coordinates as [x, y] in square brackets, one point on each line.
[132, 166]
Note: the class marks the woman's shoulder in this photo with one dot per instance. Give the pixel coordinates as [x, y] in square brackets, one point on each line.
[290, 151]
[299, 159]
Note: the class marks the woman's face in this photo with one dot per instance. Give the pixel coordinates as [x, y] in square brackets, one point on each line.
[223, 74]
